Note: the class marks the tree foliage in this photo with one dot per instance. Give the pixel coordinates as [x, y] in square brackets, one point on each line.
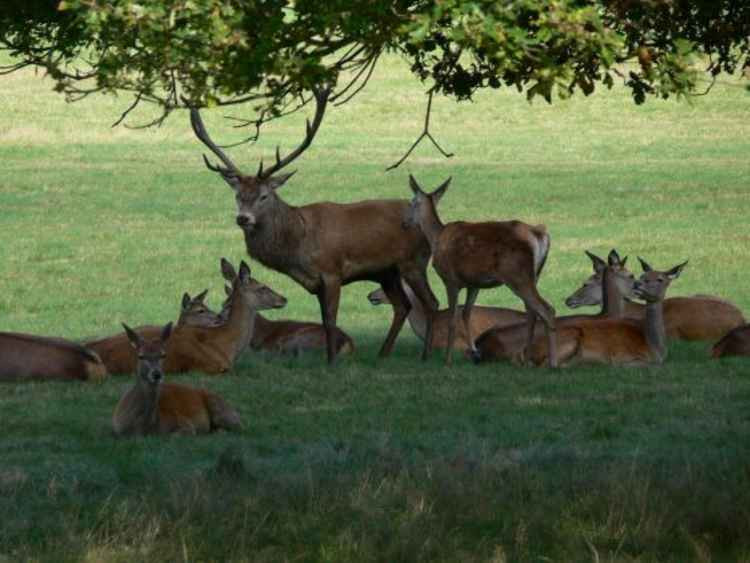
[272, 52]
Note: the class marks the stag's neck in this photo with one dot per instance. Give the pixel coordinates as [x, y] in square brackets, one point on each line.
[276, 240]
[431, 225]
[656, 335]
[613, 302]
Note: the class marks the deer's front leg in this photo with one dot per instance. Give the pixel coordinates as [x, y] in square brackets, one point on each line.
[328, 297]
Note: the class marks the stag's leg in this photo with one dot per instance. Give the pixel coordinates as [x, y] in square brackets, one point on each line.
[392, 287]
[471, 297]
[453, 315]
[421, 288]
[530, 296]
[328, 297]
[531, 318]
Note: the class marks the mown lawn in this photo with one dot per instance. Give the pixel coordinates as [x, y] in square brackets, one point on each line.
[392, 460]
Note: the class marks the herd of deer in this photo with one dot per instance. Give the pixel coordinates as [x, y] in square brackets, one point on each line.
[324, 246]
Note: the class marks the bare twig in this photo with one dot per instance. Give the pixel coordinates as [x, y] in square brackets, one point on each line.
[425, 133]
[127, 111]
[369, 64]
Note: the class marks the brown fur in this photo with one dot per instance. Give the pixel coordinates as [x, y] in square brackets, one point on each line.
[25, 357]
[735, 343]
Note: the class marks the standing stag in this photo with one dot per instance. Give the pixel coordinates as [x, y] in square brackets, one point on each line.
[325, 245]
[482, 255]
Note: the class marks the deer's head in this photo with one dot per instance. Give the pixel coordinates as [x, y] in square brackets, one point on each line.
[256, 194]
[256, 295]
[591, 292]
[423, 203]
[151, 354]
[195, 312]
[652, 286]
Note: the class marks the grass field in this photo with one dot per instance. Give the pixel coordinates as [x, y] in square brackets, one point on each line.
[393, 460]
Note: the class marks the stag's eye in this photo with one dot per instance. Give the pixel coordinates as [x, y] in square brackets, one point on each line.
[263, 198]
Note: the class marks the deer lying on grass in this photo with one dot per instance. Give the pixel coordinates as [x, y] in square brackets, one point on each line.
[625, 342]
[195, 312]
[323, 246]
[482, 255]
[26, 357]
[482, 319]
[210, 349]
[700, 317]
[153, 407]
[735, 343]
[508, 343]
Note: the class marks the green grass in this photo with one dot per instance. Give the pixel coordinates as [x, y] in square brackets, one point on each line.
[391, 460]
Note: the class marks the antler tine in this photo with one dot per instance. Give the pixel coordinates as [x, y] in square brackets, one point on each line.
[200, 131]
[321, 101]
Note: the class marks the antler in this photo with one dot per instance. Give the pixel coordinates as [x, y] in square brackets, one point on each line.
[200, 131]
[321, 100]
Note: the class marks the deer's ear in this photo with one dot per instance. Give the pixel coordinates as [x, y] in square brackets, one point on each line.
[675, 272]
[613, 258]
[644, 265]
[598, 264]
[275, 182]
[413, 185]
[228, 289]
[134, 337]
[438, 193]
[166, 332]
[201, 296]
[231, 178]
[244, 271]
[227, 270]
[185, 301]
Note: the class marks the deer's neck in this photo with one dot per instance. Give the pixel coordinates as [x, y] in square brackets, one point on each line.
[431, 225]
[633, 309]
[239, 328]
[145, 412]
[276, 239]
[613, 301]
[653, 328]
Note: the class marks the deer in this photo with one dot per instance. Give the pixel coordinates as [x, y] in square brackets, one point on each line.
[324, 246]
[618, 283]
[624, 342]
[210, 349]
[154, 407]
[28, 357]
[482, 319]
[696, 318]
[735, 343]
[287, 336]
[483, 255]
[195, 312]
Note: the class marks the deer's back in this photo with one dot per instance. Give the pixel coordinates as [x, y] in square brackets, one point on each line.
[700, 318]
[288, 336]
[482, 319]
[489, 253]
[735, 343]
[359, 239]
[31, 357]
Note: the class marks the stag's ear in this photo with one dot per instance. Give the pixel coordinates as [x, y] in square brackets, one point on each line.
[613, 258]
[438, 193]
[413, 185]
[599, 264]
[244, 271]
[135, 338]
[644, 265]
[166, 332]
[231, 178]
[275, 182]
[185, 301]
[227, 270]
[675, 272]
[201, 296]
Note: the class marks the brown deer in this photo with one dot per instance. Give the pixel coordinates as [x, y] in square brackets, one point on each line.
[286, 336]
[482, 255]
[735, 343]
[154, 407]
[195, 312]
[624, 342]
[700, 317]
[210, 349]
[482, 319]
[508, 343]
[27, 357]
[325, 245]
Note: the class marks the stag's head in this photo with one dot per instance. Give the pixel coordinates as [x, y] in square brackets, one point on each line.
[423, 203]
[591, 292]
[652, 285]
[151, 354]
[256, 194]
